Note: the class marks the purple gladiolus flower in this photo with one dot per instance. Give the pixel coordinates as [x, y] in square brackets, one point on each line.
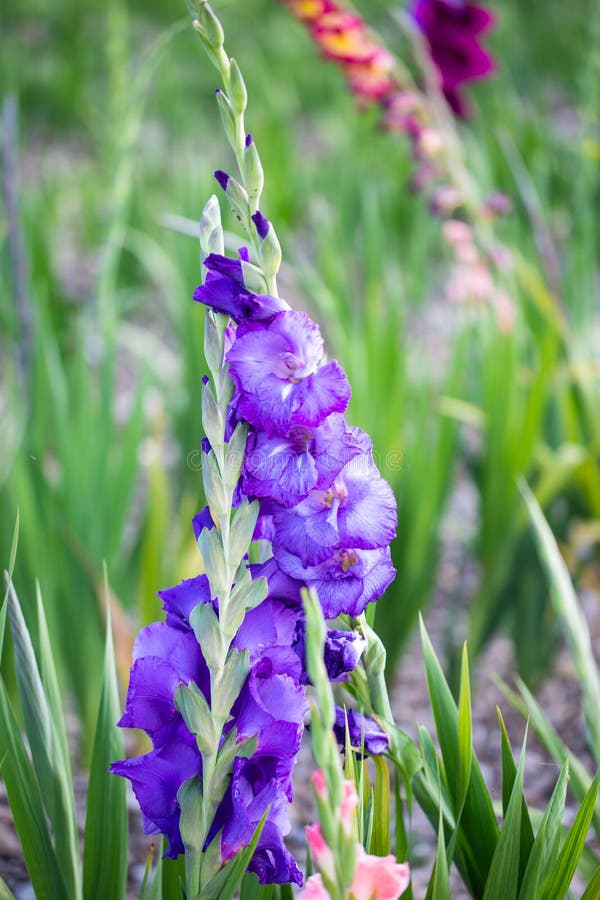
[280, 379]
[357, 511]
[224, 291]
[364, 731]
[164, 656]
[286, 469]
[452, 29]
[155, 778]
[251, 793]
[343, 650]
[345, 582]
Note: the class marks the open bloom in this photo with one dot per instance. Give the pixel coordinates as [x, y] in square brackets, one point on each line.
[357, 510]
[280, 376]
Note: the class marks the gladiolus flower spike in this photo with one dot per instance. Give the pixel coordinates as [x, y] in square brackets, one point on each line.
[219, 686]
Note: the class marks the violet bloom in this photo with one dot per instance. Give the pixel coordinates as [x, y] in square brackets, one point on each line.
[225, 292]
[342, 651]
[281, 381]
[358, 510]
[452, 29]
[345, 582]
[164, 657]
[364, 731]
[286, 469]
[242, 809]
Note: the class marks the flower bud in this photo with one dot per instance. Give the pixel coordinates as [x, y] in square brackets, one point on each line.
[239, 94]
[212, 28]
[253, 171]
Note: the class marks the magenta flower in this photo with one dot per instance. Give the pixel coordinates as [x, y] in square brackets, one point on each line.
[452, 29]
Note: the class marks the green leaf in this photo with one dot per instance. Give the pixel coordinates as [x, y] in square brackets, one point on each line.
[580, 779]
[224, 885]
[465, 739]
[252, 889]
[567, 606]
[503, 877]
[5, 893]
[592, 891]
[556, 884]
[51, 766]
[509, 774]
[439, 884]
[193, 831]
[380, 837]
[547, 840]
[478, 826]
[26, 805]
[105, 837]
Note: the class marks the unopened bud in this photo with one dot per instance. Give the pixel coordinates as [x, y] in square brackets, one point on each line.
[239, 94]
[253, 171]
[211, 26]
[270, 253]
[211, 231]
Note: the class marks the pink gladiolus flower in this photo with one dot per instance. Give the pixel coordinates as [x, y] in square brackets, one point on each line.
[378, 877]
[349, 804]
[320, 852]
[318, 780]
[314, 889]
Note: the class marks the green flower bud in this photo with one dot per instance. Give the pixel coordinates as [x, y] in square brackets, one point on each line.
[211, 26]
[270, 254]
[253, 171]
[211, 230]
[239, 94]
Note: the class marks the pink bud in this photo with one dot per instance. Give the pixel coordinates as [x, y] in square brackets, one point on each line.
[318, 780]
[314, 889]
[348, 805]
[320, 852]
[378, 877]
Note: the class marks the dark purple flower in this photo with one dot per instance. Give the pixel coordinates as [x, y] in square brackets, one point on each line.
[343, 650]
[262, 224]
[452, 28]
[346, 581]
[268, 633]
[286, 469]
[364, 732]
[202, 520]
[179, 601]
[240, 813]
[224, 291]
[357, 511]
[280, 380]
[164, 657]
[222, 178]
[155, 778]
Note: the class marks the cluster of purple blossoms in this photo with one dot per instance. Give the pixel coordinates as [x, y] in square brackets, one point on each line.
[327, 511]
[329, 516]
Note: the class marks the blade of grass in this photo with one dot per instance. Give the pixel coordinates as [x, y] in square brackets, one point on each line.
[51, 766]
[478, 825]
[509, 774]
[105, 838]
[568, 608]
[503, 877]
[592, 891]
[556, 885]
[547, 840]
